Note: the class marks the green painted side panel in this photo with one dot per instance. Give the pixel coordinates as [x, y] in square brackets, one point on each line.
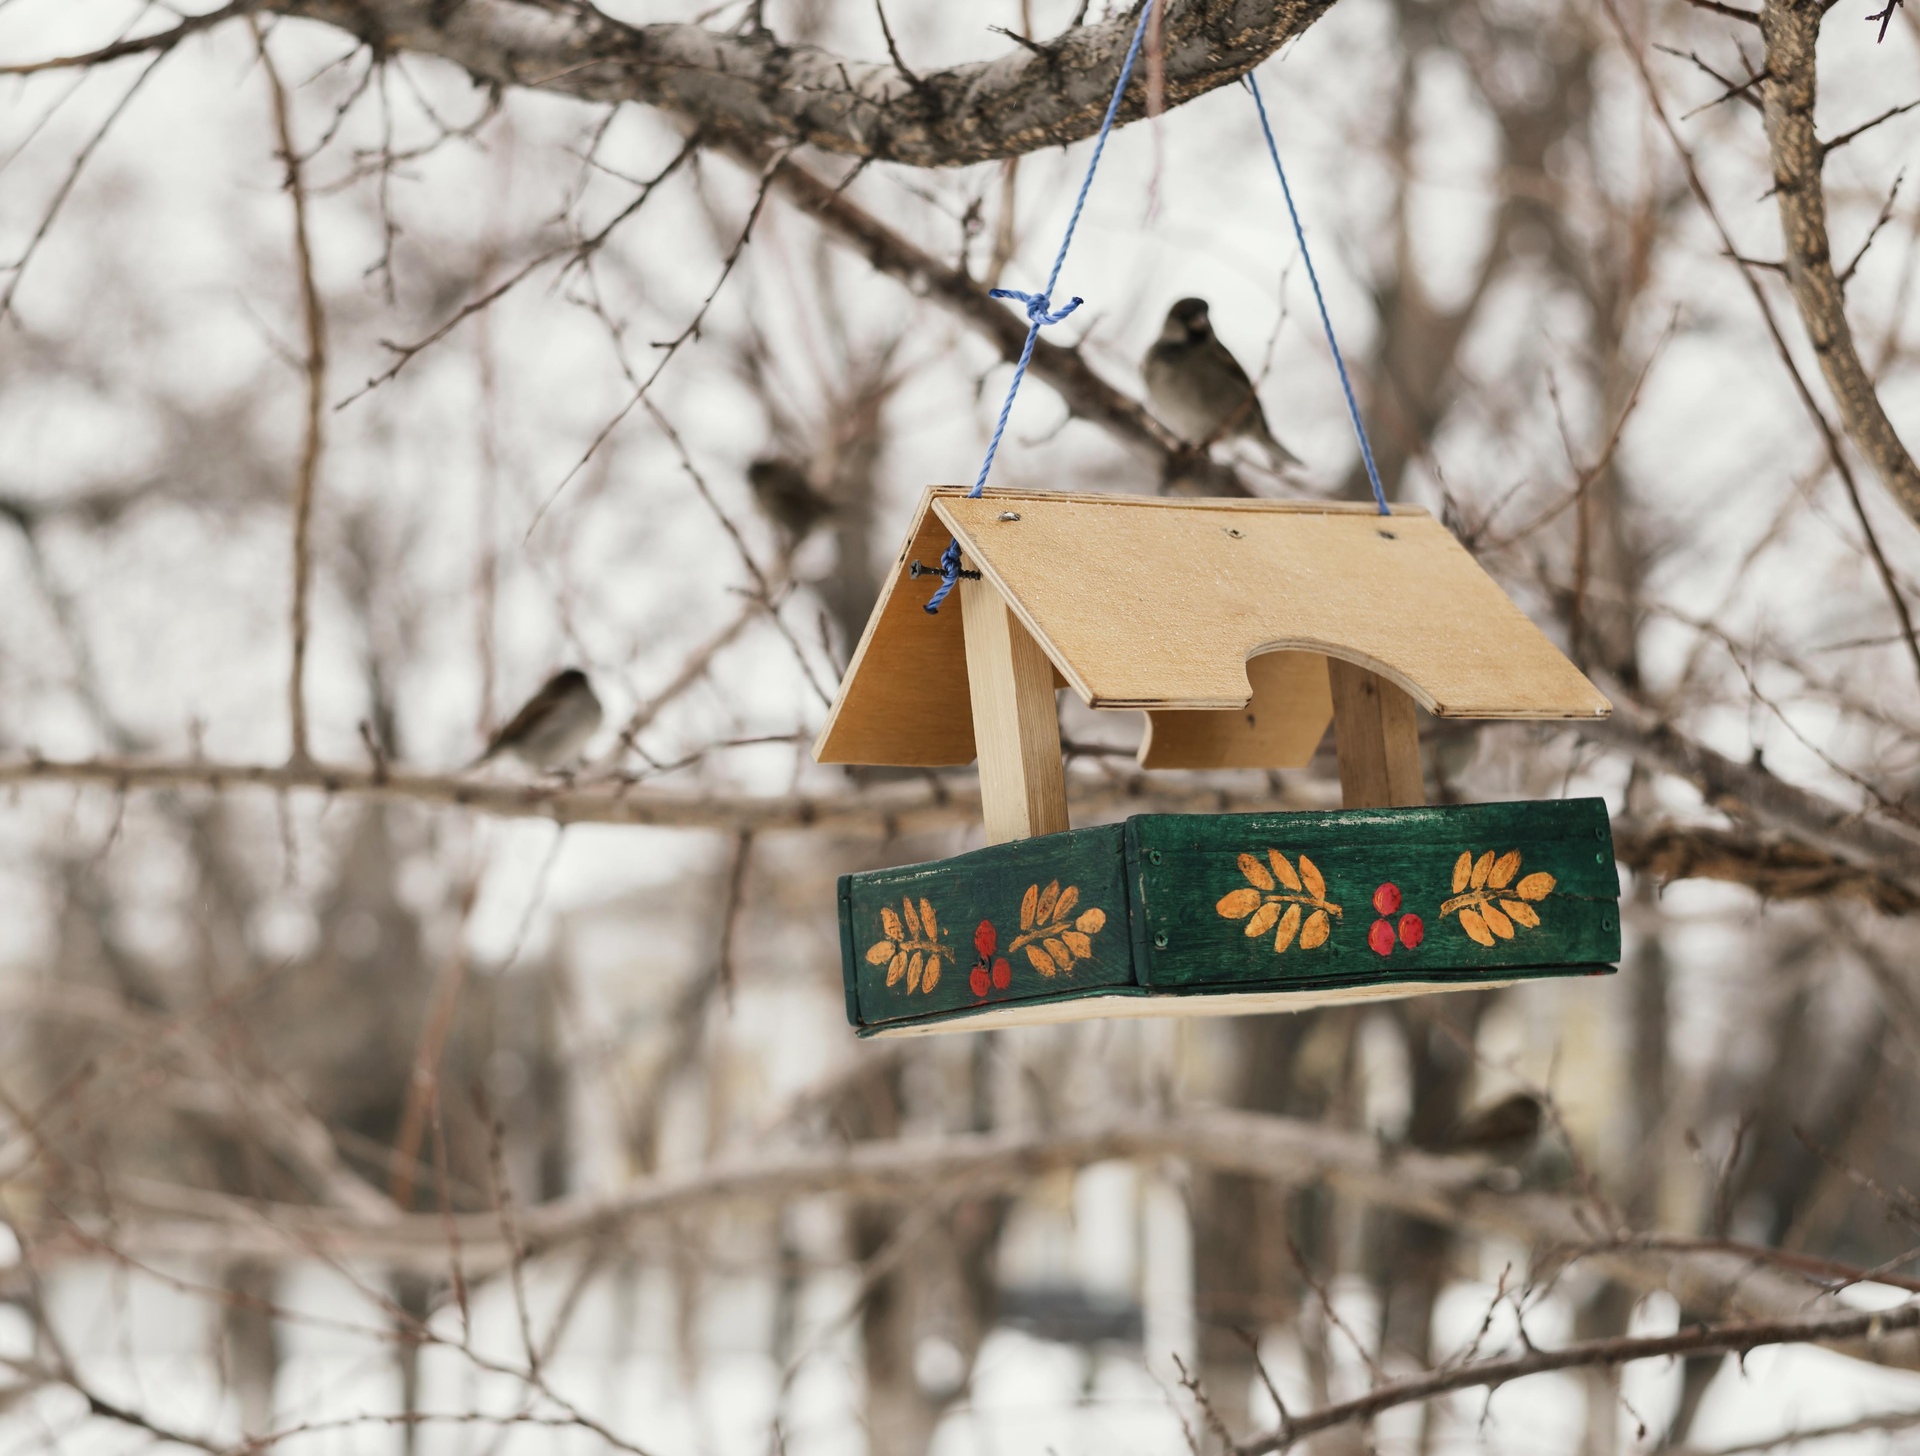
[1162, 905]
[1307, 885]
[1058, 902]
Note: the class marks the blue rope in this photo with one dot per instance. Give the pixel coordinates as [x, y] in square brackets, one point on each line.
[1040, 309]
[1346, 385]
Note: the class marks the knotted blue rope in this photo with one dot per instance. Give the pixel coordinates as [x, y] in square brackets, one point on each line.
[1346, 385]
[1040, 309]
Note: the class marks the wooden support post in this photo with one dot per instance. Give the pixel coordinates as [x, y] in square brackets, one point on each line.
[1016, 725]
[1377, 738]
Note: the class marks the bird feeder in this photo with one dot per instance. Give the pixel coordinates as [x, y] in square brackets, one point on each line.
[1241, 628]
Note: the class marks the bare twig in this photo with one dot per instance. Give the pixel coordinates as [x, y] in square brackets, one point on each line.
[315, 320]
[1827, 149]
[423, 1085]
[1886, 216]
[141, 45]
[1732, 12]
[18, 267]
[1733, 1337]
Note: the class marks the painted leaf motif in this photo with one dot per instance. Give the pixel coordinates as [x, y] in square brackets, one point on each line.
[1028, 903]
[1316, 882]
[1474, 926]
[1062, 957]
[913, 917]
[1504, 869]
[1462, 869]
[1482, 867]
[1042, 962]
[880, 954]
[1048, 897]
[1536, 886]
[1091, 922]
[927, 922]
[1234, 905]
[1289, 924]
[1520, 910]
[1079, 944]
[1255, 872]
[891, 923]
[932, 976]
[897, 968]
[1069, 897]
[1316, 930]
[1496, 922]
[914, 968]
[1263, 920]
[1282, 869]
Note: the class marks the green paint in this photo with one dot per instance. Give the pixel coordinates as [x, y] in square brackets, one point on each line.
[991, 885]
[1160, 879]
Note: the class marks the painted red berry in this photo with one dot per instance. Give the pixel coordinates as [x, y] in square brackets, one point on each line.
[1386, 899]
[1381, 937]
[978, 980]
[985, 940]
[1002, 974]
[1413, 930]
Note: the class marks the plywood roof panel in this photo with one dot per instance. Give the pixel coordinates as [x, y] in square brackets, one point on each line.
[1148, 603]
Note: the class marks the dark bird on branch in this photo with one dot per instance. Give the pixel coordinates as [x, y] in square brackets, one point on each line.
[787, 497]
[554, 726]
[1505, 1131]
[1199, 389]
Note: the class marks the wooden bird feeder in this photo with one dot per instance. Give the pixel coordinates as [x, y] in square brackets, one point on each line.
[1241, 628]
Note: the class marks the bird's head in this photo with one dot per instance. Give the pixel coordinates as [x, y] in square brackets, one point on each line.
[1186, 323]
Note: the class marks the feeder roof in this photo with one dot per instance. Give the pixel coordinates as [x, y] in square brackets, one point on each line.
[1148, 603]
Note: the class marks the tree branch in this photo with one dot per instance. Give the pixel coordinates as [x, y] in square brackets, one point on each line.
[750, 87]
[1790, 29]
[1449, 1191]
[314, 319]
[1735, 1337]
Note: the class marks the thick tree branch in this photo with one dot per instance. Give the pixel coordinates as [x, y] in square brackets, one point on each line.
[1790, 30]
[1748, 791]
[1773, 868]
[1450, 1191]
[900, 808]
[750, 87]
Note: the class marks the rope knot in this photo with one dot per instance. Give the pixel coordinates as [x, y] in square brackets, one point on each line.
[1039, 305]
[950, 574]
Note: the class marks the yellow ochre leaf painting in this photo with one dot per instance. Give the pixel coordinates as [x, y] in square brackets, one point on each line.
[1054, 938]
[910, 946]
[1488, 902]
[1290, 902]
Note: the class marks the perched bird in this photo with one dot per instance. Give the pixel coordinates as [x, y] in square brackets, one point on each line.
[787, 497]
[1199, 389]
[554, 726]
[1505, 1131]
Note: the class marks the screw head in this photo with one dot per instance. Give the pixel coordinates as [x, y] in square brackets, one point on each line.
[1153, 856]
[1160, 940]
[1009, 515]
[1234, 531]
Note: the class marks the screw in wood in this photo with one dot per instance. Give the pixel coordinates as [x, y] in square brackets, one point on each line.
[1009, 515]
[1160, 940]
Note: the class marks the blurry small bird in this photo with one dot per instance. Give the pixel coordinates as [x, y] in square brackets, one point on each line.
[1505, 1131]
[553, 727]
[1199, 389]
[787, 497]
